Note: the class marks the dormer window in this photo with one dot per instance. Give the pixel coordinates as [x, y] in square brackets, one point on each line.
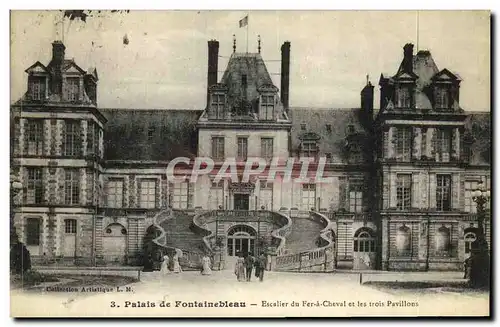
[267, 107]
[217, 106]
[37, 87]
[442, 98]
[404, 97]
[73, 88]
[309, 149]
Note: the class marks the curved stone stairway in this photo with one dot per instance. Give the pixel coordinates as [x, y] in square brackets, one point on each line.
[303, 235]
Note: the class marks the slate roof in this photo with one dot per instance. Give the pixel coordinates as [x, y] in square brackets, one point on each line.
[150, 135]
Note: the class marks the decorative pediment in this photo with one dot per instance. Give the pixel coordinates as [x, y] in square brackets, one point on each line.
[267, 88]
[446, 75]
[72, 67]
[406, 76]
[37, 67]
[309, 136]
[218, 87]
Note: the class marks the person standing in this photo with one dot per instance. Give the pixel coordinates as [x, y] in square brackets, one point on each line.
[249, 262]
[206, 263]
[239, 268]
[177, 267]
[260, 266]
[164, 265]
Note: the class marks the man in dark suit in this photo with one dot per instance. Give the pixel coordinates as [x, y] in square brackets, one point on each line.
[249, 262]
[260, 266]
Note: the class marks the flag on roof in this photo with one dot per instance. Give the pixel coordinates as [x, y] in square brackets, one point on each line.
[244, 21]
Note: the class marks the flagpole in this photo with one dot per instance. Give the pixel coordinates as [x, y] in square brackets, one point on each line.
[248, 23]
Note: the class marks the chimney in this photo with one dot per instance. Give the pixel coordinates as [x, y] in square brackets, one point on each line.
[408, 58]
[213, 62]
[367, 104]
[56, 64]
[285, 74]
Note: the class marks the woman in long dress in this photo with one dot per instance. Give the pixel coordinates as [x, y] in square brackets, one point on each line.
[164, 265]
[206, 263]
[177, 267]
[239, 269]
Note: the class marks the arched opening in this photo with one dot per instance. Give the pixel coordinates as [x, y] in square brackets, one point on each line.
[403, 241]
[114, 243]
[364, 248]
[469, 238]
[241, 239]
[150, 248]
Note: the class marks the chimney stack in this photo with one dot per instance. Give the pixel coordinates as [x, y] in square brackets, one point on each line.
[408, 58]
[56, 63]
[213, 63]
[367, 105]
[285, 74]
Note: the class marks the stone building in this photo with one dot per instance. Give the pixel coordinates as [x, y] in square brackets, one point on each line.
[395, 193]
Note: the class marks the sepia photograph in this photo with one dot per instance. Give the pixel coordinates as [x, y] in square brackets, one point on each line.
[259, 163]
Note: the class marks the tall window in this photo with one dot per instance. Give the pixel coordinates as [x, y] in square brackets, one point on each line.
[404, 142]
[308, 197]
[266, 195]
[35, 136]
[71, 138]
[443, 145]
[404, 97]
[34, 194]
[216, 195]
[403, 191]
[182, 198]
[442, 99]
[218, 147]
[443, 190]
[309, 149]
[73, 88]
[470, 205]
[266, 148]
[364, 240]
[217, 106]
[70, 226]
[147, 198]
[403, 241]
[115, 193]
[37, 87]
[72, 186]
[242, 148]
[443, 241]
[355, 201]
[33, 231]
[469, 238]
[267, 107]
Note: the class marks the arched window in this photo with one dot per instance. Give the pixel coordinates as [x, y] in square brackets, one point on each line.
[241, 239]
[364, 240]
[443, 241]
[469, 238]
[403, 241]
[115, 229]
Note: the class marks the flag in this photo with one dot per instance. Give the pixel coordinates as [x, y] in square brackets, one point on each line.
[244, 21]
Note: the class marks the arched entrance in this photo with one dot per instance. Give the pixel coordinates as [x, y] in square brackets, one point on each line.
[241, 239]
[114, 243]
[149, 248]
[364, 249]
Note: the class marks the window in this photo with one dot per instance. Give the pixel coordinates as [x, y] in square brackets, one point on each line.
[115, 193]
[216, 195]
[308, 197]
[73, 88]
[329, 128]
[403, 191]
[266, 148]
[303, 126]
[309, 149]
[37, 87]
[267, 107]
[33, 231]
[266, 195]
[182, 198]
[443, 241]
[71, 144]
[403, 241]
[403, 148]
[443, 192]
[92, 138]
[343, 193]
[70, 226]
[364, 241]
[355, 201]
[442, 98]
[34, 194]
[242, 148]
[355, 154]
[147, 198]
[151, 133]
[217, 106]
[469, 238]
[35, 137]
[218, 147]
[328, 156]
[443, 145]
[404, 97]
[72, 186]
[470, 205]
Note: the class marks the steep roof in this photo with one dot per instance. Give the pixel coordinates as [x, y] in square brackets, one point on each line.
[150, 135]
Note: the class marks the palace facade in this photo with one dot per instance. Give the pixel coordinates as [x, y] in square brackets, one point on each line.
[398, 197]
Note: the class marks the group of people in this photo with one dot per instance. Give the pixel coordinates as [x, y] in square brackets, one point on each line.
[165, 264]
[246, 263]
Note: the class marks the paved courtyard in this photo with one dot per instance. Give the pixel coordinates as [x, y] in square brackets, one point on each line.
[280, 294]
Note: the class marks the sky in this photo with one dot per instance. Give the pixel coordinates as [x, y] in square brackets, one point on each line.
[164, 64]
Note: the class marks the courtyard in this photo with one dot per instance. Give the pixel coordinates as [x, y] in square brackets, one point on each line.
[279, 295]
